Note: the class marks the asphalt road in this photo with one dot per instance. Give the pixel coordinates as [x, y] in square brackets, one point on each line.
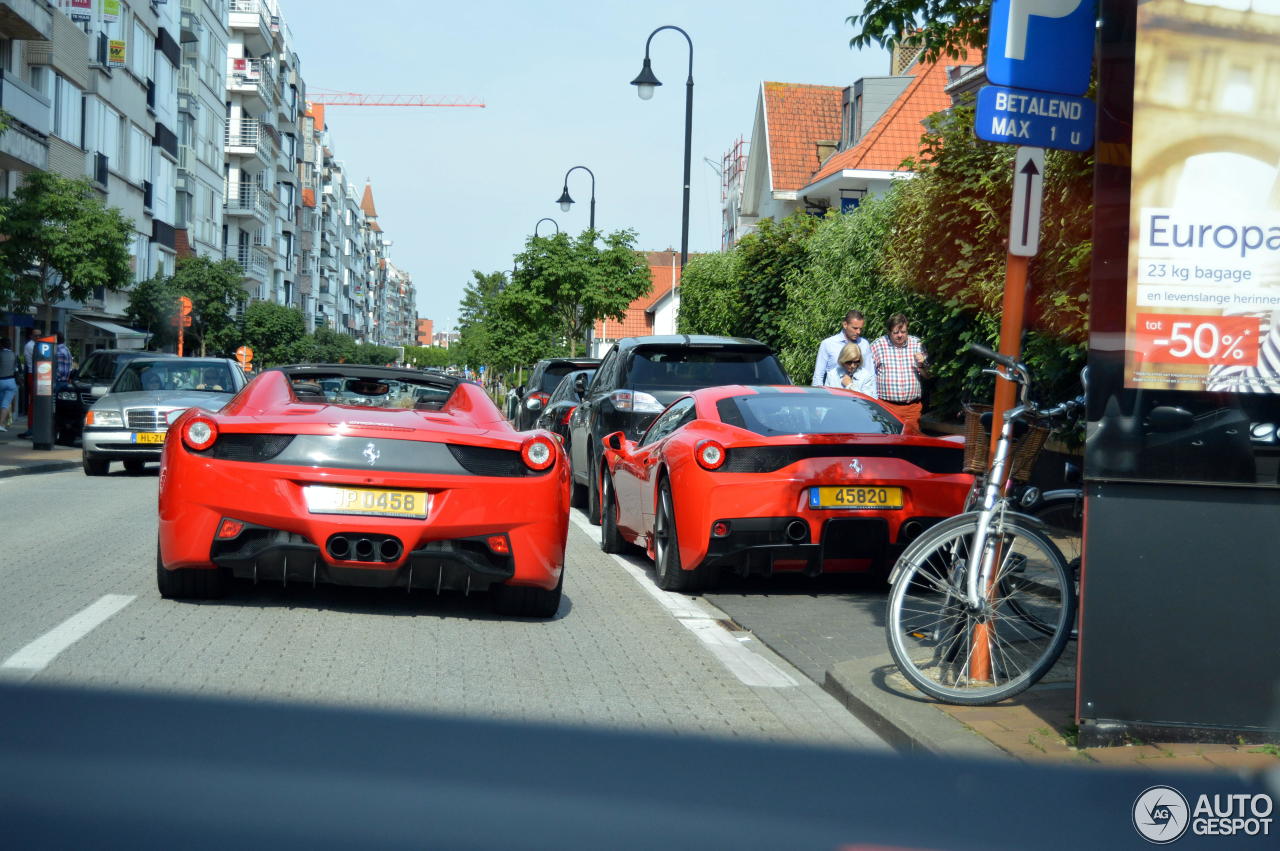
[80, 607]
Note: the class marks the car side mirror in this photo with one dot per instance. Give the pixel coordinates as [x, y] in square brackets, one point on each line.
[580, 385]
[520, 391]
[74, 376]
[615, 441]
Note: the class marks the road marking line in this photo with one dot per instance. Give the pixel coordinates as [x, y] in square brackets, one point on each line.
[39, 653]
[749, 667]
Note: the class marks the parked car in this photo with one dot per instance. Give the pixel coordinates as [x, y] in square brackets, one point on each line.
[88, 384]
[130, 422]
[543, 380]
[568, 393]
[762, 479]
[638, 378]
[428, 488]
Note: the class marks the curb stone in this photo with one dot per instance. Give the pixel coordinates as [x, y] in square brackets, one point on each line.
[908, 722]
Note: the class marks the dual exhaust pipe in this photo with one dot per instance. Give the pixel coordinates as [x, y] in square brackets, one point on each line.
[371, 548]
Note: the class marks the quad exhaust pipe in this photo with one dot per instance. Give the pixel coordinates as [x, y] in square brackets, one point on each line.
[371, 548]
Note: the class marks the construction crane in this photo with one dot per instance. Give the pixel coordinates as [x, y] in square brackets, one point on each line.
[332, 98]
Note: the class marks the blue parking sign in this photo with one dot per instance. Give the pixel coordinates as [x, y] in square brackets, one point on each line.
[1046, 45]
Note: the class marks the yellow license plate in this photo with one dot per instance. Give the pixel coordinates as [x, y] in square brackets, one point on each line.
[855, 497]
[377, 502]
[148, 437]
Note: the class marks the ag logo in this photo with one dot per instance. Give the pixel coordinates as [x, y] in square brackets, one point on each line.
[371, 454]
[1161, 815]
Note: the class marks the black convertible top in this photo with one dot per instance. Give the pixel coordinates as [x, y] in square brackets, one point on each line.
[314, 371]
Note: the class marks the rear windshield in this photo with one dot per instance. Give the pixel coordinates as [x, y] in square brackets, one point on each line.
[555, 372]
[101, 367]
[807, 413]
[371, 392]
[178, 374]
[680, 368]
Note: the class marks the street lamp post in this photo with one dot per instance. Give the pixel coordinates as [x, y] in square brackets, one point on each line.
[645, 83]
[554, 224]
[566, 202]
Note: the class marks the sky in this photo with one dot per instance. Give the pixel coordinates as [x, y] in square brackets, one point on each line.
[461, 189]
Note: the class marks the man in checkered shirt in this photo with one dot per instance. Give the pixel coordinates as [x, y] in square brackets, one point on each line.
[900, 363]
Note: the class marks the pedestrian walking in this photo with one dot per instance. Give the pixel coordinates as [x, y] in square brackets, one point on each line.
[853, 372]
[29, 362]
[8, 382]
[901, 364]
[62, 361]
[830, 348]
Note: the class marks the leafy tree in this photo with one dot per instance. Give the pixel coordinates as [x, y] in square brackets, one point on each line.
[572, 283]
[939, 27]
[710, 301]
[215, 291]
[374, 355]
[433, 356]
[328, 346]
[152, 305]
[277, 334]
[769, 258]
[475, 317]
[62, 243]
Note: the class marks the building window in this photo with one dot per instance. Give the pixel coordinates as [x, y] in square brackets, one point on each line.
[68, 110]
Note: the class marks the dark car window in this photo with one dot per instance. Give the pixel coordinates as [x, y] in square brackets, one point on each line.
[682, 368]
[554, 372]
[605, 379]
[680, 413]
[100, 367]
[564, 390]
[806, 413]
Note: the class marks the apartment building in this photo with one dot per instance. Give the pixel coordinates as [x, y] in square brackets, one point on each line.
[202, 81]
[190, 116]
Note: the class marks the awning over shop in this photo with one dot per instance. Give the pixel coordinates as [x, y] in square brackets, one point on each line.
[126, 337]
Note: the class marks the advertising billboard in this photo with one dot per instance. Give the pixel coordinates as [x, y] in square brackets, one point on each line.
[1203, 310]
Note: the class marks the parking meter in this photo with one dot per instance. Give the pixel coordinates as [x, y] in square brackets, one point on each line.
[42, 402]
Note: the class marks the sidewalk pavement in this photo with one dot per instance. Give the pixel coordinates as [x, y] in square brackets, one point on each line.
[18, 458]
[1036, 726]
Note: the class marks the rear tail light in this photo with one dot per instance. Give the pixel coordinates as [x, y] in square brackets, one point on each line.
[635, 402]
[199, 432]
[499, 545]
[710, 454]
[536, 401]
[229, 528]
[538, 453]
[564, 421]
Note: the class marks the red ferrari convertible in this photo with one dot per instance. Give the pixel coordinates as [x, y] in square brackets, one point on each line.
[764, 479]
[366, 476]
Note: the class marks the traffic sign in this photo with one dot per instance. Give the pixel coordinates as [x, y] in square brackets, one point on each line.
[1028, 192]
[1045, 45]
[244, 356]
[1035, 119]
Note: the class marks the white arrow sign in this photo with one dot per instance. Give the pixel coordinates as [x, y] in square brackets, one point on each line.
[1028, 190]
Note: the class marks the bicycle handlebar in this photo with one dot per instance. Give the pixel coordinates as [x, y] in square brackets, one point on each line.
[1003, 360]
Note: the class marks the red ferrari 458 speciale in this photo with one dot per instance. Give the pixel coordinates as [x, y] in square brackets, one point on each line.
[761, 479]
[367, 476]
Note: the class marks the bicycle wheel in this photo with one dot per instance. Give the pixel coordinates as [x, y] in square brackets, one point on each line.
[932, 632]
[1061, 514]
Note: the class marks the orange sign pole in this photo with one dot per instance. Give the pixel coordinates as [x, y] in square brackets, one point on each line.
[1011, 322]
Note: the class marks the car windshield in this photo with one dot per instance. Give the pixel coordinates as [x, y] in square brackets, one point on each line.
[551, 377]
[682, 368]
[100, 366]
[175, 374]
[807, 413]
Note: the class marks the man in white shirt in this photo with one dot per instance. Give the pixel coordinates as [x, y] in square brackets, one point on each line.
[829, 349]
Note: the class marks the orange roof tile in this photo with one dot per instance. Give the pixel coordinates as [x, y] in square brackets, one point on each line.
[797, 116]
[366, 202]
[896, 136]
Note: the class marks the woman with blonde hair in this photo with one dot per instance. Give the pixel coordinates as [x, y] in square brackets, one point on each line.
[852, 372]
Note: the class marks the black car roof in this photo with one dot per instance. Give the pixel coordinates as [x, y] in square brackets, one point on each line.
[577, 362]
[691, 340]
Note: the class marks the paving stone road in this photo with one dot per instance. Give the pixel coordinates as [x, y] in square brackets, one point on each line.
[613, 657]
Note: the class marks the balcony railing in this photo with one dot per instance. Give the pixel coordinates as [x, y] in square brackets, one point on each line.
[24, 103]
[247, 133]
[246, 199]
[252, 261]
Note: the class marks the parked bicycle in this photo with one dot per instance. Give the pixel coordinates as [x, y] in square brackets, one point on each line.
[983, 603]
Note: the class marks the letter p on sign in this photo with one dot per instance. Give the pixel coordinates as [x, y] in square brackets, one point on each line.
[1043, 45]
[1020, 13]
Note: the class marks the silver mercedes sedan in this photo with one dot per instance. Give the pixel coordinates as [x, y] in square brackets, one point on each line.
[129, 423]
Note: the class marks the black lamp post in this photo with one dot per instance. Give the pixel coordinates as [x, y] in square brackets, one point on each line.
[645, 83]
[554, 224]
[566, 202]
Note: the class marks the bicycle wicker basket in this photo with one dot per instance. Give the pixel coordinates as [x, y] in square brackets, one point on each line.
[977, 446]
